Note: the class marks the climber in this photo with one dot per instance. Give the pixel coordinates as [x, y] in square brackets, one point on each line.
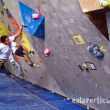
[9, 46]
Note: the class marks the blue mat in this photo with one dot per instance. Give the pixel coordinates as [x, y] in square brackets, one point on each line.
[15, 97]
[52, 99]
[16, 94]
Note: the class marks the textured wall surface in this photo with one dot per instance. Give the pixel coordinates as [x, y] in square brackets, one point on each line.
[59, 73]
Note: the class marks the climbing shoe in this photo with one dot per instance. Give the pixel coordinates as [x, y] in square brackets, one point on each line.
[32, 64]
[31, 52]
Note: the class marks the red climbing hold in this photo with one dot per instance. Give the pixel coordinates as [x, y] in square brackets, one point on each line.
[36, 15]
[47, 52]
[17, 59]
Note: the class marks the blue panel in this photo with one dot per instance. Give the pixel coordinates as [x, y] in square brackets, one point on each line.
[41, 30]
[33, 26]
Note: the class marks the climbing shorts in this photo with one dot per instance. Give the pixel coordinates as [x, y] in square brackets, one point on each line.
[20, 51]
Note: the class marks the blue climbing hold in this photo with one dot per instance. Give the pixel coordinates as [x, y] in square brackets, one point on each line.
[94, 49]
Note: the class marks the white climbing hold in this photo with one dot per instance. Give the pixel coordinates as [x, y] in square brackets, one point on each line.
[37, 66]
[97, 85]
[52, 91]
[36, 15]
[87, 108]
[68, 98]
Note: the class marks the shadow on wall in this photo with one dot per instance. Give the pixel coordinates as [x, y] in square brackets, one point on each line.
[98, 18]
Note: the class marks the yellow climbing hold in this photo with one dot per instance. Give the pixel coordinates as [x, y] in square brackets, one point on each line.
[78, 39]
[5, 7]
[102, 48]
[3, 29]
[26, 41]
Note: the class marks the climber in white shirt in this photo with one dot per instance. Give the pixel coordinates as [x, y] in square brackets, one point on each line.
[8, 46]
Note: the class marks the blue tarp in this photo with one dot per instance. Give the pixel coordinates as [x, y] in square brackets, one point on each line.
[36, 27]
[16, 94]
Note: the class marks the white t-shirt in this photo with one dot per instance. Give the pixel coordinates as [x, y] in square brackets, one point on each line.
[13, 46]
[6, 50]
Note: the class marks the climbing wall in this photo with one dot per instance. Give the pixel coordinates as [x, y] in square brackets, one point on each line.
[68, 33]
[38, 75]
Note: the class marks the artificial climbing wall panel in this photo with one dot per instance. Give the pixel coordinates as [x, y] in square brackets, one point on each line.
[38, 75]
[60, 72]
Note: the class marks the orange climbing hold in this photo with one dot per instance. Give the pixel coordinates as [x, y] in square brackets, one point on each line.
[13, 22]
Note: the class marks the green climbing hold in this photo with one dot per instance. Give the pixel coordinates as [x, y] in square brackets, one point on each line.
[104, 3]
